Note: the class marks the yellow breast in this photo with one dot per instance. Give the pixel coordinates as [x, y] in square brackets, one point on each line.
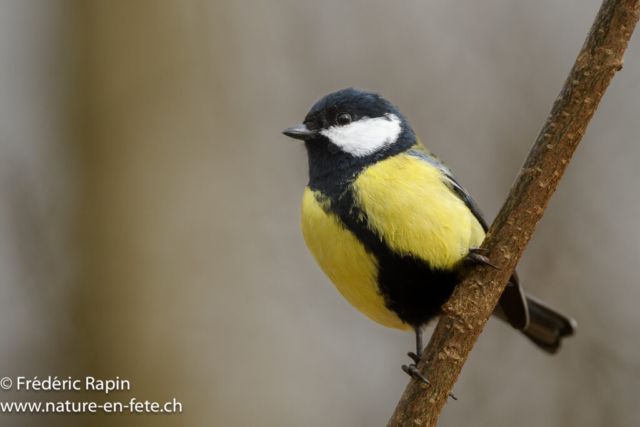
[410, 207]
[344, 260]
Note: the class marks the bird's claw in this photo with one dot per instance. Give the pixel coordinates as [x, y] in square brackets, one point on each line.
[414, 357]
[413, 372]
[476, 258]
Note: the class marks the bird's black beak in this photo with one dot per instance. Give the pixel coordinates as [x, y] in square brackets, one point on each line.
[300, 132]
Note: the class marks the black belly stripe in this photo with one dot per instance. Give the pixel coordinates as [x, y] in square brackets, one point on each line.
[409, 286]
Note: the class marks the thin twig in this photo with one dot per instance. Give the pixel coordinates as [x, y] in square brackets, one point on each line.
[467, 311]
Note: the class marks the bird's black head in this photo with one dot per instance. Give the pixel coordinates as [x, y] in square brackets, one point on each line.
[348, 130]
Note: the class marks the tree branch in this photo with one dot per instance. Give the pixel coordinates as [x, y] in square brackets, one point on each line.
[467, 311]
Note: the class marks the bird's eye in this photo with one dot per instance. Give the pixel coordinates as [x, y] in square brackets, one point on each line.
[343, 119]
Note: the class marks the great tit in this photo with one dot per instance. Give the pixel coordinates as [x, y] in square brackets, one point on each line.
[392, 227]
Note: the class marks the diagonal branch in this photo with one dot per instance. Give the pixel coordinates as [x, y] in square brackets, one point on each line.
[467, 311]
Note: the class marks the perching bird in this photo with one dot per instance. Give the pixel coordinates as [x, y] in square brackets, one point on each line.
[391, 226]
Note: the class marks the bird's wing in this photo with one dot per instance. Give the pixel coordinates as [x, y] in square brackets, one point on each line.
[512, 303]
[452, 182]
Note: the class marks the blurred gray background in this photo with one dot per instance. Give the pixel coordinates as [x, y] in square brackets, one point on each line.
[150, 207]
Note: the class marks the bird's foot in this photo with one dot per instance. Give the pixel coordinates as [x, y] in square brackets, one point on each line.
[413, 371]
[474, 257]
[414, 357]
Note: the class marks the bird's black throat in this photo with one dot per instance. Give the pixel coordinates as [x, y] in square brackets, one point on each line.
[332, 170]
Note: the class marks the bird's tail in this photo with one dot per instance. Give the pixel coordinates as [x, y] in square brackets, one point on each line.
[547, 326]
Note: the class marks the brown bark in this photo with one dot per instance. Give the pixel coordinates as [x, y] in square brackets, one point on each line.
[468, 309]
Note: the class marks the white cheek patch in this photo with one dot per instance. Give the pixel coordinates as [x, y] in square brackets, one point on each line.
[365, 136]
